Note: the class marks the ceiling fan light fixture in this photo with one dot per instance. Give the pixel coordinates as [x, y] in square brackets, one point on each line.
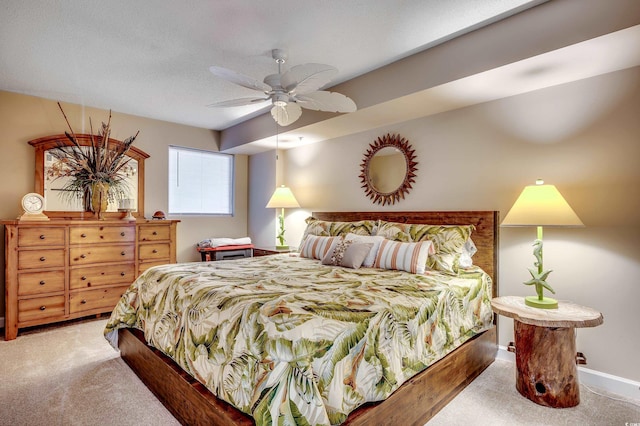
[280, 99]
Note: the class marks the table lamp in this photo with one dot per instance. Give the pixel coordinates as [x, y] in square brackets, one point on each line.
[282, 198]
[541, 205]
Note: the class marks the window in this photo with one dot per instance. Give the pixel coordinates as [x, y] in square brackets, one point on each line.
[200, 182]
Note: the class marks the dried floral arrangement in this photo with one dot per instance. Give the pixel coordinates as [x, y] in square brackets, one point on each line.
[99, 166]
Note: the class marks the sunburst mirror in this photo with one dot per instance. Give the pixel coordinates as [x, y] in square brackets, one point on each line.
[388, 169]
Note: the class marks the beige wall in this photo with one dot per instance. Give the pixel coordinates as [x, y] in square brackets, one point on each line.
[583, 137]
[25, 118]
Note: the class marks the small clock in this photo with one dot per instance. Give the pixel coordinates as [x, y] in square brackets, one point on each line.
[33, 203]
[33, 206]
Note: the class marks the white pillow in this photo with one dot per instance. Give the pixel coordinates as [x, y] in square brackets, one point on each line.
[376, 240]
[410, 257]
[468, 251]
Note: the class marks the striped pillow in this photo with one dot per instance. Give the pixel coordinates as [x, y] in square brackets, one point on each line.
[410, 257]
[315, 247]
[448, 241]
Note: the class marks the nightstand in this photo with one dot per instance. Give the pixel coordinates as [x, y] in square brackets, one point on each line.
[267, 251]
[225, 252]
[546, 348]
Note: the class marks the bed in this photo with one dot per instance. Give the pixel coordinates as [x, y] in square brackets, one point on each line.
[303, 355]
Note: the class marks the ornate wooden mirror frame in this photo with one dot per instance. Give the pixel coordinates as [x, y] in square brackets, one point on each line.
[55, 141]
[402, 146]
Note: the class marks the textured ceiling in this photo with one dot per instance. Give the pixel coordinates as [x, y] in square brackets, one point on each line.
[151, 59]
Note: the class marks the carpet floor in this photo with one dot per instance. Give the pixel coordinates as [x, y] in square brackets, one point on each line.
[70, 375]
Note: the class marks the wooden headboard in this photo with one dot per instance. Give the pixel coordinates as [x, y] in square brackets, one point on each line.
[485, 237]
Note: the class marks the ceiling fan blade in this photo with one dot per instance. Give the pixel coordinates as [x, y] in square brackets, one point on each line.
[307, 78]
[285, 115]
[237, 102]
[326, 101]
[239, 79]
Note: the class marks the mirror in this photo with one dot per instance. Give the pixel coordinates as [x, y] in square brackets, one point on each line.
[63, 207]
[388, 169]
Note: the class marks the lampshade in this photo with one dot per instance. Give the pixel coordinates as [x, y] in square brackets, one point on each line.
[541, 205]
[282, 198]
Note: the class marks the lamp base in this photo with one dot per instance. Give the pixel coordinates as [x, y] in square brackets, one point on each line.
[128, 215]
[545, 303]
[282, 247]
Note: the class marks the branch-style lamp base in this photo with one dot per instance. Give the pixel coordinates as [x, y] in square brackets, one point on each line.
[544, 303]
[281, 241]
[538, 279]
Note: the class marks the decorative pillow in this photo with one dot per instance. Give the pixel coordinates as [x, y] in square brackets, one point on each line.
[315, 247]
[348, 254]
[448, 241]
[375, 246]
[331, 229]
[410, 257]
[467, 253]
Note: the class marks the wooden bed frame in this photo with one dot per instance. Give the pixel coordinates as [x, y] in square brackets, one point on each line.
[414, 403]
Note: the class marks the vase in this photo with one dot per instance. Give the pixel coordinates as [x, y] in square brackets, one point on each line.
[99, 199]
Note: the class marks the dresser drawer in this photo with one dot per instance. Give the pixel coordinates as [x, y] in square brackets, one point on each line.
[143, 266]
[96, 276]
[39, 237]
[153, 233]
[154, 251]
[40, 308]
[95, 300]
[32, 283]
[101, 254]
[101, 234]
[31, 259]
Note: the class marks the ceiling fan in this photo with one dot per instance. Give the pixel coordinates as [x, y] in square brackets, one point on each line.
[288, 91]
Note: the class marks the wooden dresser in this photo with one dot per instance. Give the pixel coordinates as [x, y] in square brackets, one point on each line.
[62, 269]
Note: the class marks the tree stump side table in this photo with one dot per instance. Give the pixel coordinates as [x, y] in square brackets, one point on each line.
[546, 371]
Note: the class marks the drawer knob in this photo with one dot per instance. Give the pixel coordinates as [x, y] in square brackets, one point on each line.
[155, 251]
[122, 234]
[42, 308]
[122, 274]
[83, 301]
[122, 253]
[83, 278]
[83, 235]
[42, 259]
[155, 232]
[42, 237]
[42, 282]
[83, 256]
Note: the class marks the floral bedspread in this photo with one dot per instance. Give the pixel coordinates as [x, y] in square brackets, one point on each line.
[290, 341]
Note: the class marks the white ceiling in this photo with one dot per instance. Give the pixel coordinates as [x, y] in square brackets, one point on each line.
[151, 59]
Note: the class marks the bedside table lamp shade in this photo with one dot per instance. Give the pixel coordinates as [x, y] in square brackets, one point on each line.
[541, 205]
[282, 198]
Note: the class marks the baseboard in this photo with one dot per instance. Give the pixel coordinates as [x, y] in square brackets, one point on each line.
[592, 378]
[1, 322]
